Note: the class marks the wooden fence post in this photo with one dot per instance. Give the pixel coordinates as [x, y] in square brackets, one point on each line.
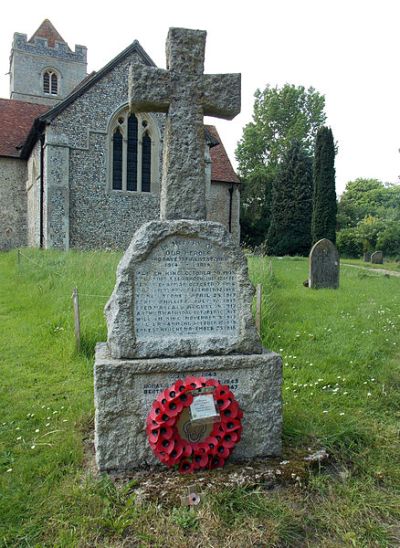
[77, 321]
[258, 307]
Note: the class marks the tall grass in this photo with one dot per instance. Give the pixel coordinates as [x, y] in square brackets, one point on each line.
[341, 391]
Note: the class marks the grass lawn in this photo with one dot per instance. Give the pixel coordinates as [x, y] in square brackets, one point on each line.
[341, 353]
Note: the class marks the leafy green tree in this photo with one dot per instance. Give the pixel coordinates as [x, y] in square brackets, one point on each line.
[290, 228]
[364, 197]
[369, 230]
[280, 116]
[389, 240]
[323, 223]
[349, 242]
[370, 234]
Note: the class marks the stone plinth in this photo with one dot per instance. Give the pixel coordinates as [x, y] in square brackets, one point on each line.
[125, 390]
[182, 289]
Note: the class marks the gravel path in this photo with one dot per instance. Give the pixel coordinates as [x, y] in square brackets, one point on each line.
[378, 270]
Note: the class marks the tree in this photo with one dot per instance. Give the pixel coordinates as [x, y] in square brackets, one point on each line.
[324, 196]
[389, 240]
[290, 227]
[364, 197]
[280, 116]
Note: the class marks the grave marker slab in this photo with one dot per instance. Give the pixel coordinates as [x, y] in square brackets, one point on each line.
[324, 265]
[367, 257]
[377, 257]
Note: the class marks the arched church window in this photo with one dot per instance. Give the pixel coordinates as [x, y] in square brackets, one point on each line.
[146, 162]
[50, 82]
[134, 152]
[117, 159]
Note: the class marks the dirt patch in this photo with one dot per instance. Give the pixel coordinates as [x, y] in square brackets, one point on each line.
[167, 486]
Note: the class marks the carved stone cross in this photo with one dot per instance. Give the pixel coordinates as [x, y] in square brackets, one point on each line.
[186, 95]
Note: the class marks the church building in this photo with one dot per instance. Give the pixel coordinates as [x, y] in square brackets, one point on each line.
[77, 169]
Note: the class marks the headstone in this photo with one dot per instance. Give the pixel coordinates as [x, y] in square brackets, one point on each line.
[182, 299]
[324, 265]
[377, 257]
[367, 257]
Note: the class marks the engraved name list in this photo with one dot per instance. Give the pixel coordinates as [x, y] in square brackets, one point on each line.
[185, 287]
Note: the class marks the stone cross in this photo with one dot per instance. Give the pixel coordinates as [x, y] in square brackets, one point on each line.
[186, 95]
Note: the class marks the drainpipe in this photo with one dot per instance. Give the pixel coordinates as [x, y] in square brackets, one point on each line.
[230, 207]
[41, 192]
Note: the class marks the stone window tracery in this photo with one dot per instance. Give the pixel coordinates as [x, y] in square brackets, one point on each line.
[134, 152]
[50, 82]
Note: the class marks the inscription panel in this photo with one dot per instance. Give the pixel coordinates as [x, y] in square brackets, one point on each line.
[186, 287]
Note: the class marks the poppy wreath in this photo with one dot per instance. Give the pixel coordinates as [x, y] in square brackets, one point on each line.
[163, 434]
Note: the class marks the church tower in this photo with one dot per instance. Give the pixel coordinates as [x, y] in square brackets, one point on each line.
[44, 69]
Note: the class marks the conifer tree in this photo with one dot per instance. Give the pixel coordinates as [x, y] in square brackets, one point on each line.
[324, 195]
[290, 228]
[280, 115]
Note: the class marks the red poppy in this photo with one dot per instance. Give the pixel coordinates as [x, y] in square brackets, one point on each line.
[165, 446]
[185, 466]
[187, 449]
[230, 440]
[231, 412]
[200, 460]
[173, 408]
[223, 451]
[216, 462]
[231, 425]
[212, 382]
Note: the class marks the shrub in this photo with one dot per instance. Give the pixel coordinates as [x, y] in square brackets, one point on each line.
[349, 242]
[389, 240]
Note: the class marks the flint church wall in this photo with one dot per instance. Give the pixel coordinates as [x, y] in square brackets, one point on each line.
[12, 203]
[98, 217]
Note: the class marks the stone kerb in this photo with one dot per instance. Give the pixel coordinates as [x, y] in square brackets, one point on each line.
[324, 265]
[182, 289]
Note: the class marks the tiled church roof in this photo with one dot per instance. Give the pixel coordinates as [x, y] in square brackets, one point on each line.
[221, 167]
[48, 31]
[16, 119]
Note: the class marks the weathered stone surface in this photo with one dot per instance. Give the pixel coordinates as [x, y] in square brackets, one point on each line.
[125, 390]
[182, 289]
[367, 257]
[324, 265]
[182, 300]
[377, 257]
[187, 95]
[12, 203]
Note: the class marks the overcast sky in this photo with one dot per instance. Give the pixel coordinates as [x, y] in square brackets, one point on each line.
[347, 49]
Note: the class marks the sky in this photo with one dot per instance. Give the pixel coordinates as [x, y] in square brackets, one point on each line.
[348, 50]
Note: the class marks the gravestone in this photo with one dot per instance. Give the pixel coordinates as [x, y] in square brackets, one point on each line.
[377, 257]
[182, 299]
[324, 265]
[367, 257]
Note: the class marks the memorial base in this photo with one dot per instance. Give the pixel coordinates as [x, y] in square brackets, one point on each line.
[126, 388]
